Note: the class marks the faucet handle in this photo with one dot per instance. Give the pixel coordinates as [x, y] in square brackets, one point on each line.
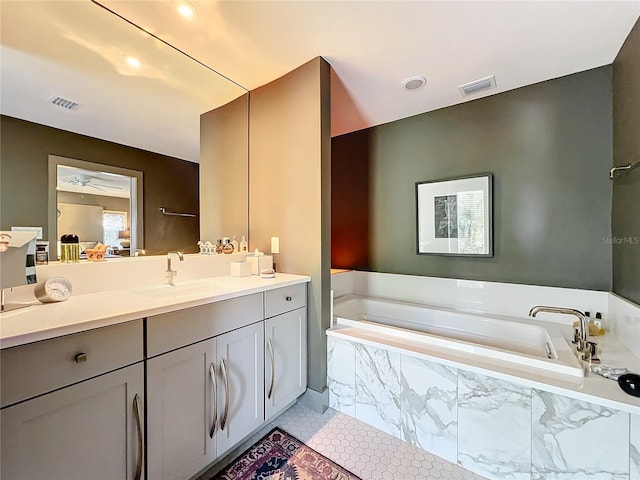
[169, 276]
[592, 352]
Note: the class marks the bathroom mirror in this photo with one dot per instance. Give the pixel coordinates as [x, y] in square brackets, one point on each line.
[79, 68]
[99, 203]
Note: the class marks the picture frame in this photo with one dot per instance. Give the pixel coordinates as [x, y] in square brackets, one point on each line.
[455, 216]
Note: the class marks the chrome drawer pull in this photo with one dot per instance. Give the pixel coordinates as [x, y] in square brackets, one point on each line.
[225, 377]
[288, 299]
[80, 357]
[136, 414]
[273, 368]
[214, 399]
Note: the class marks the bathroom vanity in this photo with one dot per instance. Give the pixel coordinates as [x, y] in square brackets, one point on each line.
[205, 365]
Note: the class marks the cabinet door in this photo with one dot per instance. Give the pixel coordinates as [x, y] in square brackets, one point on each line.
[180, 411]
[241, 379]
[286, 359]
[88, 430]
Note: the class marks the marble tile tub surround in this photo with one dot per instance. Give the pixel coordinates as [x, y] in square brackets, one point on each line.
[574, 440]
[494, 427]
[502, 430]
[428, 406]
[123, 273]
[634, 448]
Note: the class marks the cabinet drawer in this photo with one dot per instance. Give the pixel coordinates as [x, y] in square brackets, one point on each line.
[176, 329]
[284, 299]
[40, 367]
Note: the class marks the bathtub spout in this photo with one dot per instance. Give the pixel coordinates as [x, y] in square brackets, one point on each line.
[583, 328]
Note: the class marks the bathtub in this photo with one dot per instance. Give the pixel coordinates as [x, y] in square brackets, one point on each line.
[522, 343]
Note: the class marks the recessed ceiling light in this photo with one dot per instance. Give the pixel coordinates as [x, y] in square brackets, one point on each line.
[133, 62]
[185, 9]
[414, 83]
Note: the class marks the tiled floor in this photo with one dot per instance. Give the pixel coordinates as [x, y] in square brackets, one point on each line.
[364, 450]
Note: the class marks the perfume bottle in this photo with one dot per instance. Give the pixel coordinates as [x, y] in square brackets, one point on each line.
[236, 245]
[227, 248]
[219, 246]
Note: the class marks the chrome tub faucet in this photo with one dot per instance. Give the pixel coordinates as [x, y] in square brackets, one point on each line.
[170, 274]
[583, 329]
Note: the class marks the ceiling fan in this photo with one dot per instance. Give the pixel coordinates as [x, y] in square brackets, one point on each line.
[88, 181]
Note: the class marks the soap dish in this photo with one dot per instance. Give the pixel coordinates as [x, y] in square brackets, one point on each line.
[630, 383]
[268, 273]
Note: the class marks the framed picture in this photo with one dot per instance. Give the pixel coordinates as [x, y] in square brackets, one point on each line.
[455, 216]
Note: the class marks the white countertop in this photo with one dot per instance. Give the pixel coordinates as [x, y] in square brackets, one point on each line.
[591, 388]
[84, 312]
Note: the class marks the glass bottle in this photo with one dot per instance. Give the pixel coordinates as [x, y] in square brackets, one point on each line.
[227, 248]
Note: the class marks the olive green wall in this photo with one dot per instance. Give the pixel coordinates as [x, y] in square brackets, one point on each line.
[108, 203]
[168, 182]
[549, 147]
[625, 218]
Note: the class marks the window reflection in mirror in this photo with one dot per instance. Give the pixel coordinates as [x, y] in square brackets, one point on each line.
[98, 203]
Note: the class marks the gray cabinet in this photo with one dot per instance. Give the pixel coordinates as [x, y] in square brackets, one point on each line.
[204, 398]
[77, 421]
[285, 360]
[180, 411]
[240, 371]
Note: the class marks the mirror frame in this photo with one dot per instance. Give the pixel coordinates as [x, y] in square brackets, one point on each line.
[137, 213]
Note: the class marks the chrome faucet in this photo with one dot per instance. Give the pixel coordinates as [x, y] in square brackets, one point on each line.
[583, 329]
[170, 274]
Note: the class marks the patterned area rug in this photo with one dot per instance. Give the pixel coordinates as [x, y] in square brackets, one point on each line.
[279, 456]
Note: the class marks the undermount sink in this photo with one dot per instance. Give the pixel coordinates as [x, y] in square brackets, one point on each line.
[186, 289]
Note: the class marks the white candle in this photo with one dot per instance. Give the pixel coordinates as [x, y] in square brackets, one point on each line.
[275, 244]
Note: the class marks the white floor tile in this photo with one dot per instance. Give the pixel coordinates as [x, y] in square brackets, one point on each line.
[364, 450]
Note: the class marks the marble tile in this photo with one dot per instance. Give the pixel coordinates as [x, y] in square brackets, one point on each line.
[341, 375]
[429, 406]
[378, 388]
[576, 440]
[494, 427]
[634, 448]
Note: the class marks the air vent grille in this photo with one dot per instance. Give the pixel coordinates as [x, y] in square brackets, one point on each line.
[478, 85]
[64, 103]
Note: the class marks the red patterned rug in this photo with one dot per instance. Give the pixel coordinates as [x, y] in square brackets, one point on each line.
[279, 456]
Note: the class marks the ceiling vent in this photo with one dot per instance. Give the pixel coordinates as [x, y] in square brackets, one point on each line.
[477, 86]
[64, 103]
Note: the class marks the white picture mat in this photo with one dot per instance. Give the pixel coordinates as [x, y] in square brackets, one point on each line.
[427, 192]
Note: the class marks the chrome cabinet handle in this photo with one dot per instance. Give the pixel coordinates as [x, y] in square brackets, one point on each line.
[136, 414]
[288, 299]
[225, 377]
[273, 368]
[214, 399]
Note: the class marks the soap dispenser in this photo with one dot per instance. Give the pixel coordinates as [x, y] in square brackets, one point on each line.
[244, 246]
[599, 321]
